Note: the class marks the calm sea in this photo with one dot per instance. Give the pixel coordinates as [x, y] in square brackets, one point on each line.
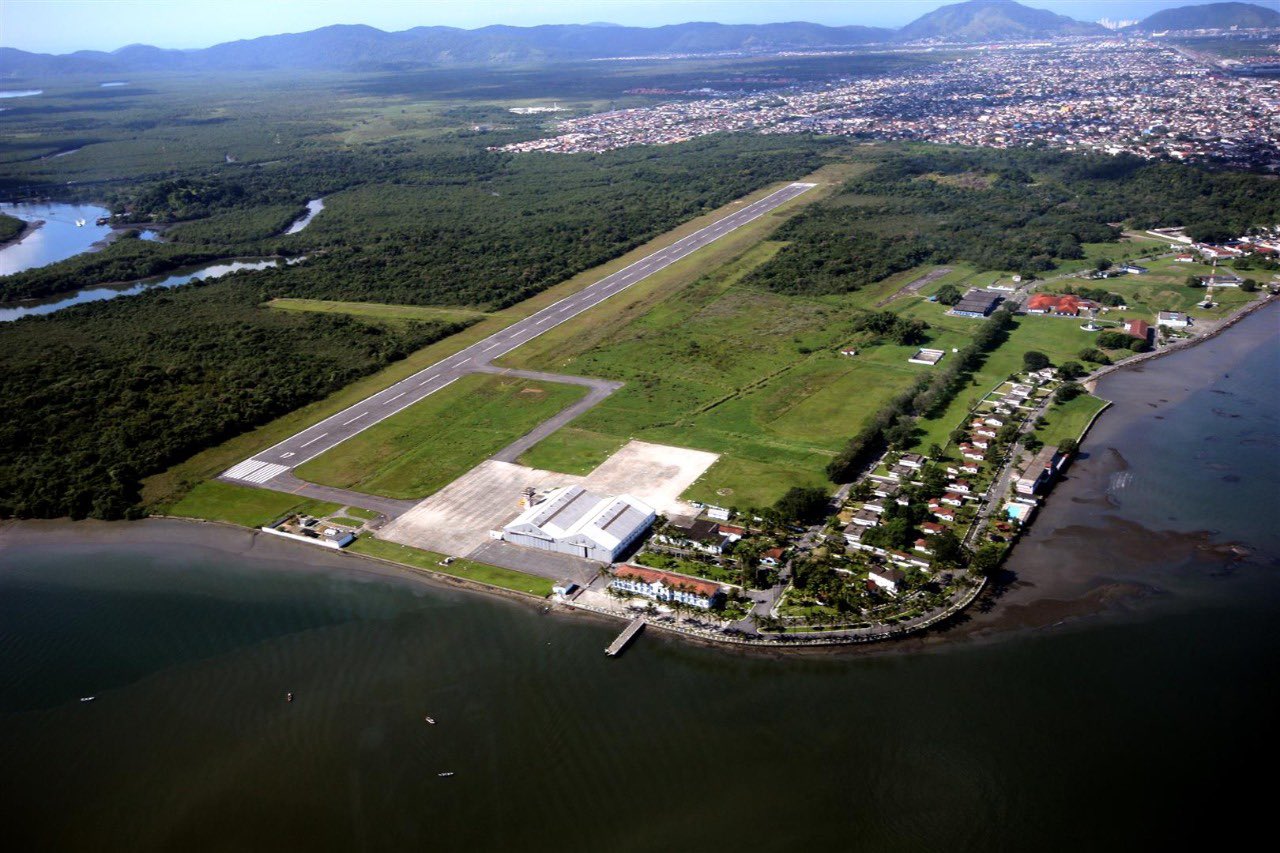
[1119, 694]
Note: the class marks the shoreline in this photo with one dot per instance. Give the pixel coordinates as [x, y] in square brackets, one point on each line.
[30, 228]
[945, 629]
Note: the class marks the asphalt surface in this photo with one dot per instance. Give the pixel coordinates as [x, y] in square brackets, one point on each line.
[264, 468]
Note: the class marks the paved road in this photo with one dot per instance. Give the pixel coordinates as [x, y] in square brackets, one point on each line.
[264, 468]
[600, 388]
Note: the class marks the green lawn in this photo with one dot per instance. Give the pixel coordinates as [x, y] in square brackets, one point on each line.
[1060, 338]
[694, 568]
[214, 500]
[375, 310]
[1068, 420]
[433, 442]
[1164, 288]
[365, 514]
[161, 489]
[345, 522]
[479, 572]
[719, 366]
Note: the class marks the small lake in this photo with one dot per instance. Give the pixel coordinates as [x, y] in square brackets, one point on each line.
[58, 239]
[20, 93]
[313, 207]
[98, 294]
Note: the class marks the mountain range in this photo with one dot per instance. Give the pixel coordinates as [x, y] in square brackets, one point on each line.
[364, 48]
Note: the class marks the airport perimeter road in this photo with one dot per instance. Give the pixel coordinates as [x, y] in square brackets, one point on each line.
[264, 467]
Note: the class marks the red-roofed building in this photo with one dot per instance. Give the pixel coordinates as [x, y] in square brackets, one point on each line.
[666, 586]
[1140, 329]
[1064, 306]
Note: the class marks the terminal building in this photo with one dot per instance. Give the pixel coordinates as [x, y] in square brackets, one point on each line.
[574, 521]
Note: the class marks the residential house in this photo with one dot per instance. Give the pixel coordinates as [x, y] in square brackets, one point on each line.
[930, 528]
[866, 518]
[1039, 472]
[696, 535]
[1140, 329]
[1173, 320]
[773, 557]
[887, 578]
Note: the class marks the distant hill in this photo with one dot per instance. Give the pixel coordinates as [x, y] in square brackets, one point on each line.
[358, 47]
[1211, 16]
[994, 20]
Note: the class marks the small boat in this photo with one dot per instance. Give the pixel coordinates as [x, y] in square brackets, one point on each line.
[87, 698]
[443, 775]
[79, 223]
[288, 697]
[430, 720]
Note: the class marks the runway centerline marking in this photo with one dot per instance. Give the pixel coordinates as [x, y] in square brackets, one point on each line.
[356, 418]
[314, 440]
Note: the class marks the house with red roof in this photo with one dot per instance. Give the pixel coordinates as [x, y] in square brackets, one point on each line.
[667, 586]
[1067, 305]
[1140, 329]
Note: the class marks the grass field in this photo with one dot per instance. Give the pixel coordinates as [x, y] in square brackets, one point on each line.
[376, 310]
[362, 514]
[719, 366]
[1068, 420]
[1060, 338]
[479, 572]
[168, 486]
[1164, 288]
[434, 441]
[217, 501]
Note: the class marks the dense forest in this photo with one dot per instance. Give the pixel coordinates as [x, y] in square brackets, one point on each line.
[445, 223]
[1005, 210]
[101, 395]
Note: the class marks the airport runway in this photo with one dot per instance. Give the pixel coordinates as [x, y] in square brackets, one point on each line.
[264, 467]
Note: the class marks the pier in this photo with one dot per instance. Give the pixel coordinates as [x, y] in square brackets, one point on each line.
[628, 634]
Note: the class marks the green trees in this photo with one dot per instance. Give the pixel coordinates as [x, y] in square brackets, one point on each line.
[1068, 391]
[1034, 360]
[987, 559]
[803, 504]
[927, 395]
[1114, 339]
[1102, 264]
[949, 294]
[1028, 225]
[1071, 370]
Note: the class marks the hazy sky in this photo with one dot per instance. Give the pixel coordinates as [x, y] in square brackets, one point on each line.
[61, 26]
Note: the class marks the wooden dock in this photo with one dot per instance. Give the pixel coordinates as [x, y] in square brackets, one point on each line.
[628, 634]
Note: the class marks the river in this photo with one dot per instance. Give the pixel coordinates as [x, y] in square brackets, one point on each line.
[37, 307]
[58, 237]
[1107, 699]
[313, 209]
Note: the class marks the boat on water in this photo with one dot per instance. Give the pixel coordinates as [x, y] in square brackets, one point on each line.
[442, 775]
[430, 720]
[87, 698]
[80, 223]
